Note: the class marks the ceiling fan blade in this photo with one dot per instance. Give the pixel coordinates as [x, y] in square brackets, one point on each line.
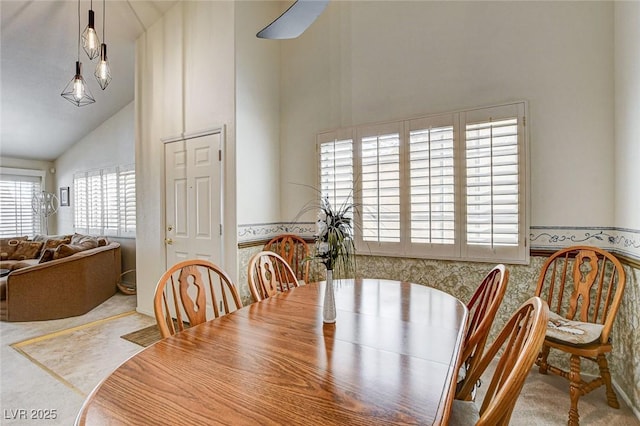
[294, 20]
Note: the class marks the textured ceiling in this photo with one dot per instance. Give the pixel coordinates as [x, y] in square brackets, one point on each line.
[38, 51]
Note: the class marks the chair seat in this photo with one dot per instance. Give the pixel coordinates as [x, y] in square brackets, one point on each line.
[572, 332]
[588, 350]
[464, 413]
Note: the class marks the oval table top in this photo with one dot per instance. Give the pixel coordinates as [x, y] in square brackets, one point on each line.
[390, 358]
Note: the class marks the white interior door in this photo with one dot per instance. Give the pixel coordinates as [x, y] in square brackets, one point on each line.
[193, 199]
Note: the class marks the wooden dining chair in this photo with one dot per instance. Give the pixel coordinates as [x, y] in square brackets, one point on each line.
[483, 307]
[520, 341]
[192, 292]
[294, 250]
[268, 274]
[583, 287]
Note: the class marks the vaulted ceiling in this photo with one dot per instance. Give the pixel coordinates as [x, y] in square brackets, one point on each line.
[38, 51]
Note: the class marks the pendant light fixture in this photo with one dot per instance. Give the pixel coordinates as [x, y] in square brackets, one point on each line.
[103, 71]
[77, 91]
[90, 40]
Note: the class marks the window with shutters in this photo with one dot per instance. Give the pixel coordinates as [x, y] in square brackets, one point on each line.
[336, 170]
[105, 201]
[127, 201]
[448, 186]
[17, 188]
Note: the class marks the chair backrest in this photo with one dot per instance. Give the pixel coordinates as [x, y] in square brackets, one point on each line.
[268, 274]
[294, 250]
[192, 292]
[520, 341]
[583, 283]
[483, 307]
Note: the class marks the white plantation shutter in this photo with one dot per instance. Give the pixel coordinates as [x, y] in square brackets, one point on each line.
[111, 207]
[432, 194]
[104, 201]
[95, 203]
[336, 168]
[379, 195]
[449, 186]
[493, 152]
[80, 203]
[17, 188]
[127, 201]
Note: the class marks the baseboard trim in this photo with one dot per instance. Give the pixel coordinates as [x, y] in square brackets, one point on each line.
[143, 312]
[627, 400]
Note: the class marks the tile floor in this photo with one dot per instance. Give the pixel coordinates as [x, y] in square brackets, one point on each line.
[53, 365]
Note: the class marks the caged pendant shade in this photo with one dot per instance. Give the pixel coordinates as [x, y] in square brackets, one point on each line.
[103, 70]
[90, 40]
[77, 91]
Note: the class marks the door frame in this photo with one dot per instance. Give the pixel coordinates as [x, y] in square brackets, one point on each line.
[221, 130]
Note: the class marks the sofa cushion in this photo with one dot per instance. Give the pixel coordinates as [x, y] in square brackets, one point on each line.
[47, 255]
[55, 242]
[7, 264]
[9, 245]
[24, 264]
[44, 237]
[65, 250]
[26, 250]
[103, 241]
[86, 241]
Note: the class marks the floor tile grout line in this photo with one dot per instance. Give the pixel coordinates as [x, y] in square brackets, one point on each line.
[50, 372]
[19, 345]
[69, 330]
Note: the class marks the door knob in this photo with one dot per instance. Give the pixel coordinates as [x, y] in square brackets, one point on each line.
[168, 241]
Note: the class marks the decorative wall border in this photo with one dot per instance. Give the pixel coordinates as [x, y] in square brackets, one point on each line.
[622, 241]
[265, 231]
[625, 242]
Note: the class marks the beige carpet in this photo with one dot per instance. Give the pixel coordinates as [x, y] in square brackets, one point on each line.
[544, 400]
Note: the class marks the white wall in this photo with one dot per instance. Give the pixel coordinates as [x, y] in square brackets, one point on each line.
[111, 144]
[184, 84]
[627, 109]
[364, 62]
[257, 115]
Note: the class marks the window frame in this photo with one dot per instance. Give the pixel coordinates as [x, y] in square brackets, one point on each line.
[460, 249]
[96, 207]
[28, 173]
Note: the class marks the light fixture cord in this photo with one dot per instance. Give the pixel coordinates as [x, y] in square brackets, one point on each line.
[103, 15]
[78, 30]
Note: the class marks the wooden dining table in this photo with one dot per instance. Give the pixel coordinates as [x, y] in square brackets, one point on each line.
[390, 358]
